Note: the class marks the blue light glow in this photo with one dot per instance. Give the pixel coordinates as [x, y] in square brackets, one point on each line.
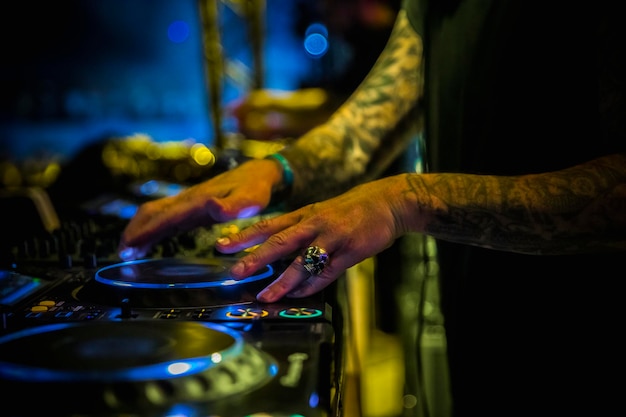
[155, 188]
[248, 212]
[314, 400]
[16, 286]
[178, 31]
[181, 410]
[316, 40]
[178, 368]
[177, 272]
[120, 208]
[149, 76]
[229, 282]
[162, 370]
[273, 370]
[141, 373]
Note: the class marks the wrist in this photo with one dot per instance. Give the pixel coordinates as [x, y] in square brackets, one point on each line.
[284, 187]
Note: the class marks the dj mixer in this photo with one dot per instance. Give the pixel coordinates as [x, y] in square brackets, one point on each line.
[84, 334]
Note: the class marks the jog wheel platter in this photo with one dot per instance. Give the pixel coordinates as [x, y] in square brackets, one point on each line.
[174, 273]
[171, 282]
[162, 337]
[125, 366]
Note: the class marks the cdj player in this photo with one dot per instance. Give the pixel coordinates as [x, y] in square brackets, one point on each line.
[84, 334]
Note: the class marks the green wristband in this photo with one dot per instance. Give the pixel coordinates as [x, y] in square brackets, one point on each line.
[287, 171]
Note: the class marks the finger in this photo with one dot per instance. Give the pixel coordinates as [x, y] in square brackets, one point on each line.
[157, 220]
[316, 283]
[260, 232]
[278, 246]
[291, 278]
[297, 281]
[311, 286]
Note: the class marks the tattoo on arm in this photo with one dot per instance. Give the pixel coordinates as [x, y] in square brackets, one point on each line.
[337, 152]
[582, 208]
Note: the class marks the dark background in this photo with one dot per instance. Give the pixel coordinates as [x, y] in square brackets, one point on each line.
[79, 71]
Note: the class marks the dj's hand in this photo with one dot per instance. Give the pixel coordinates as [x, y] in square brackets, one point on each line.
[350, 228]
[241, 192]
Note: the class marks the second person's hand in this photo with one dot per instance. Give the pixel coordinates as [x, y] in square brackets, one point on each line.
[241, 192]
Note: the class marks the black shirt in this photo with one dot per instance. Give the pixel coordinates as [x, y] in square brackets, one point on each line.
[517, 87]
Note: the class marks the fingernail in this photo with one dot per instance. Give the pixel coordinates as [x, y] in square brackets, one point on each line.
[237, 269]
[223, 241]
[261, 293]
[264, 296]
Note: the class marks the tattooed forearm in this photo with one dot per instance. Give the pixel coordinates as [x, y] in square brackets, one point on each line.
[337, 152]
[578, 209]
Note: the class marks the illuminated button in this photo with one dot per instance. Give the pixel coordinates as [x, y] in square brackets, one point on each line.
[247, 313]
[48, 303]
[230, 229]
[300, 313]
[202, 313]
[38, 308]
[170, 314]
[92, 315]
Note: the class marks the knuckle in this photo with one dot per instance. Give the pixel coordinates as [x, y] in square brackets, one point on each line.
[262, 226]
[278, 240]
[252, 258]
